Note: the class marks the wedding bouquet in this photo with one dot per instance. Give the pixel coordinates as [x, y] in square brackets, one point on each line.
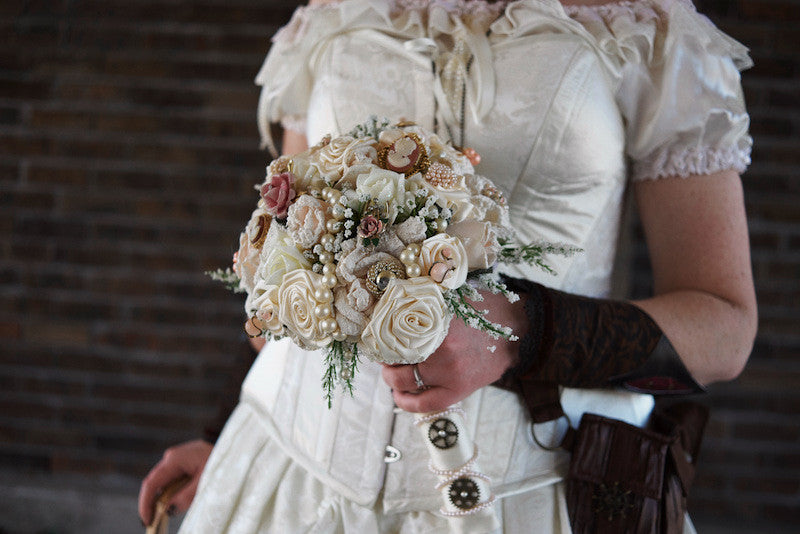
[369, 244]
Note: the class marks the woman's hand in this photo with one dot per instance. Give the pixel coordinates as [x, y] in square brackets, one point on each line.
[185, 459]
[463, 362]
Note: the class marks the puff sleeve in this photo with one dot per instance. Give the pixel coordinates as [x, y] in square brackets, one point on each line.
[679, 89]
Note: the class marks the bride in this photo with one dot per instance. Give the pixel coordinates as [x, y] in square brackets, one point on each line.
[567, 105]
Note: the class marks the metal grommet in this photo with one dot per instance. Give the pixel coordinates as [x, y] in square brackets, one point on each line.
[392, 454]
[542, 445]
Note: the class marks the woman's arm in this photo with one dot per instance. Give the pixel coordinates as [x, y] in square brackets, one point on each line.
[704, 303]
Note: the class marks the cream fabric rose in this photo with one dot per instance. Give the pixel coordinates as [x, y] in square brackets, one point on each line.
[384, 187]
[479, 240]
[305, 221]
[296, 303]
[352, 308]
[330, 156]
[281, 256]
[408, 323]
[264, 304]
[446, 249]
[248, 256]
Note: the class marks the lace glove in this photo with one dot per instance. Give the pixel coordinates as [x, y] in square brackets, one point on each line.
[588, 343]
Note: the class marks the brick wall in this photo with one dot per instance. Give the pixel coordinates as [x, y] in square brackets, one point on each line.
[127, 156]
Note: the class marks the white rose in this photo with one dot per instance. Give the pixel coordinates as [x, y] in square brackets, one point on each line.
[479, 240]
[305, 220]
[263, 303]
[408, 323]
[296, 303]
[281, 256]
[444, 259]
[383, 186]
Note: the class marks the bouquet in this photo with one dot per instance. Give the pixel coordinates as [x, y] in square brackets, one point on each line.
[368, 244]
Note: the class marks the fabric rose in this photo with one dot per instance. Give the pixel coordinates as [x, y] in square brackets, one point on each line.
[370, 226]
[383, 187]
[263, 303]
[278, 193]
[353, 303]
[251, 243]
[305, 220]
[280, 256]
[296, 303]
[444, 259]
[408, 323]
[479, 240]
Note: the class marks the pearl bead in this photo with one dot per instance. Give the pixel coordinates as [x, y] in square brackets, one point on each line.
[329, 268]
[441, 224]
[333, 196]
[337, 211]
[408, 257]
[323, 294]
[414, 247]
[328, 325]
[330, 280]
[325, 257]
[413, 270]
[333, 226]
[339, 336]
[326, 240]
[322, 311]
[326, 193]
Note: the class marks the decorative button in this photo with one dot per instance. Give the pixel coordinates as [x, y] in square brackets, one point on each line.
[392, 454]
[464, 493]
[612, 500]
[443, 433]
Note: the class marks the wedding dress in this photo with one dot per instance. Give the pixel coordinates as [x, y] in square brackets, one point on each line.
[565, 105]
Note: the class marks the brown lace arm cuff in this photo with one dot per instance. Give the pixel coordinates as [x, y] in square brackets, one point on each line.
[587, 342]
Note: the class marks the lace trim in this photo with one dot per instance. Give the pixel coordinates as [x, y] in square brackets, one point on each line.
[456, 7]
[294, 123]
[610, 10]
[692, 161]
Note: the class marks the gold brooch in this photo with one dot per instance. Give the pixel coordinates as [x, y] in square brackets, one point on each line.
[407, 155]
[381, 273]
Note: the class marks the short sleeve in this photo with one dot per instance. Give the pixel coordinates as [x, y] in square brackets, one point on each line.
[679, 88]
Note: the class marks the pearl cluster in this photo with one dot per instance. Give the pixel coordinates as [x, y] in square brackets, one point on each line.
[494, 194]
[409, 258]
[442, 176]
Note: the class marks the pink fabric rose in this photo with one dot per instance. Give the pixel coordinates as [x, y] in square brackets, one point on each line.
[370, 226]
[278, 194]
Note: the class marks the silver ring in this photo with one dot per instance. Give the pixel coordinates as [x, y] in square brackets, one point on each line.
[418, 379]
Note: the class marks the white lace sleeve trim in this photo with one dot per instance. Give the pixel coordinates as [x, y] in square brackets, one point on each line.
[692, 161]
[294, 123]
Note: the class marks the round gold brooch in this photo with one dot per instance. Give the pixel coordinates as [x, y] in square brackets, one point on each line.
[381, 273]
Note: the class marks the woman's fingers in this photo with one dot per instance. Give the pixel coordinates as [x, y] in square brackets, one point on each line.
[401, 377]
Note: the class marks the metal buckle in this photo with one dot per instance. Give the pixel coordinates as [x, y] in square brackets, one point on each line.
[542, 445]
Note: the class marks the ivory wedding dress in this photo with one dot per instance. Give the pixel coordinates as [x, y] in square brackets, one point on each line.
[565, 105]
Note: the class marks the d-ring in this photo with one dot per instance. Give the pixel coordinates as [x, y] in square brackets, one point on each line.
[531, 429]
[418, 379]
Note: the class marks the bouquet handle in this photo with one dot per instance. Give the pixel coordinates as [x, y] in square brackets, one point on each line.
[467, 498]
